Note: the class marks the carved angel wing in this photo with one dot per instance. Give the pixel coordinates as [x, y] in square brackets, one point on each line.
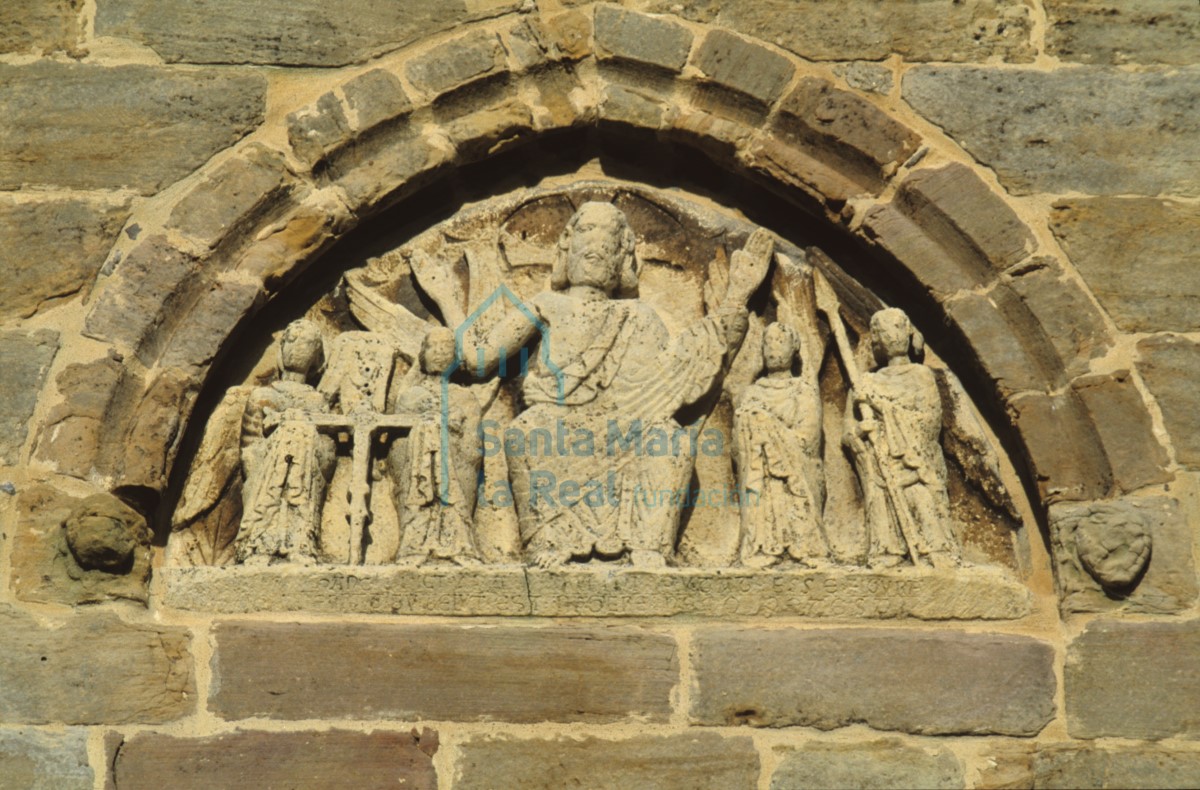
[379, 314]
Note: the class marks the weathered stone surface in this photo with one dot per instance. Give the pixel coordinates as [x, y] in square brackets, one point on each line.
[93, 669]
[70, 436]
[25, 358]
[45, 25]
[1169, 581]
[278, 760]
[294, 671]
[1123, 422]
[920, 682]
[69, 125]
[53, 247]
[1149, 31]
[1067, 767]
[1139, 257]
[1170, 366]
[866, 30]
[1074, 326]
[218, 310]
[233, 196]
[865, 76]
[742, 66]
[1134, 680]
[938, 267]
[314, 33]
[1006, 340]
[318, 129]
[638, 38]
[1027, 126]
[375, 97]
[985, 594]
[44, 568]
[386, 164]
[457, 62]
[700, 761]
[34, 760]
[881, 764]
[1063, 449]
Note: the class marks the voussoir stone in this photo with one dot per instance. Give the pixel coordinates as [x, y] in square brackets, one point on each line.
[929, 683]
[1134, 680]
[46, 25]
[93, 669]
[457, 62]
[943, 30]
[870, 766]
[1008, 344]
[307, 32]
[25, 358]
[1139, 256]
[1125, 428]
[53, 247]
[1098, 130]
[69, 125]
[1074, 325]
[278, 760]
[1148, 31]
[1062, 447]
[294, 671]
[35, 760]
[1170, 366]
[696, 760]
[743, 66]
[640, 38]
[70, 437]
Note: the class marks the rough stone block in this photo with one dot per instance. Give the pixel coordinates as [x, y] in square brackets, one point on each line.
[1064, 452]
[25, 358]
[93, 669]
[375, 97]
[866, 76]
[641, 39]
[293, 671]
[944, 30]
[1123, 422]
[1067, 767]
[1006, 340]
[308, 32]
[70, 436]
[936, 263]
[1149, 31]
[45, 25]
[1074, 326]
[1134, 680]
[218, 311]
[52, 247]
[317, 130]
[1170, 366]
[744, 67]
[1139, 256]
[69, 125]
[233, 196]
[931, 683]
[695, 760]
[150, 435]
[1100, 131]
[278, 760]
[388, 162]
[879, 764]
[35, 760]
[457, 63]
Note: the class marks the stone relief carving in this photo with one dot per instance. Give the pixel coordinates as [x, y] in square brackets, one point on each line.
[596, 376]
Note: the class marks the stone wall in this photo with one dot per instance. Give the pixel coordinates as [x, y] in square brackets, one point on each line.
[1026, 170]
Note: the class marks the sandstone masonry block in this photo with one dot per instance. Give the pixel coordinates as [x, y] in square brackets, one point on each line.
[70, 125]
[36, 760]
[1134, 680]
[292, 671]
[1170, 366]
[1063, 449]
[52, 247]
[218, 310]
[695, 760]
[25, 359]
[923, 254]
[93, 669]
[70, 438]
[308, 32]
[732, 62]
[1099, 130]
[318, 129]
[278, 760]
[931, 683]
[1066, 767]
[1123, 422]
[375, 97]
[46, 25]
[1138, 255]
[1074, 326]
[867, 30]
[1149, 31]
[457, 63]
[641, 39]
[1006, 340]
[880, 764]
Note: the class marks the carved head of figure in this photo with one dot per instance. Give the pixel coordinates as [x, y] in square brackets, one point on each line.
[781, 344]
[597, 249]
[1113, 545]
[103, 533]
[893, 336]
[301, 349]
[437, 350]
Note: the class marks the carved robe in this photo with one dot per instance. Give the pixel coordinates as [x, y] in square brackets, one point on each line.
[777, 427]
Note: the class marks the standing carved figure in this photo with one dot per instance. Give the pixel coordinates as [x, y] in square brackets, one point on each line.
[286, 459]
[893, 428]
[435, 469]
[777, 428]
